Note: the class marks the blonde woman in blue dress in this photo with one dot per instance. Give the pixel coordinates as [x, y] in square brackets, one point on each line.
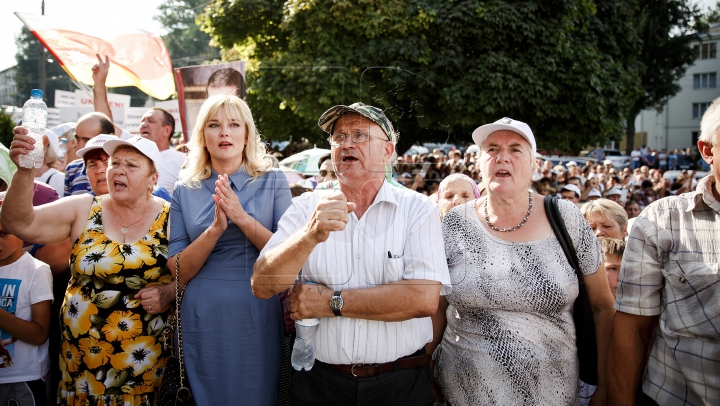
[225, 208]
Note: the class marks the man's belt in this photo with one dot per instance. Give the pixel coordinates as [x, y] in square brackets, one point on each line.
[370, 370]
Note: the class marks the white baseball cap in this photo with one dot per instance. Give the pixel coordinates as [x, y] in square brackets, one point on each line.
[143, 145]
[613, 191]
[54, 142]
[571, 188]
[481, 133]
[61, 129]
[571, 163]
[607, 162]
[594, 193]
[95, 143]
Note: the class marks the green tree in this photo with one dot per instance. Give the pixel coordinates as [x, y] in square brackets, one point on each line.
[186, 44]
[667, 28]
[713, 16]
[6, 126]
[438, 68]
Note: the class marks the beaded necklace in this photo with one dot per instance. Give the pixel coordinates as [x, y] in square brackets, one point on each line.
[504, 230]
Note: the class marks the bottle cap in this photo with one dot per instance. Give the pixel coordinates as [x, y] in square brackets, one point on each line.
[36, 93]
[308, 322]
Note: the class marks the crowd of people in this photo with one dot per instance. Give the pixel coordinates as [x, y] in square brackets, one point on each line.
[436, 279]
[632, 188]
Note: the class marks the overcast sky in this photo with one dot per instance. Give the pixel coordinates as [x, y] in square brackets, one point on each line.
[134, 13]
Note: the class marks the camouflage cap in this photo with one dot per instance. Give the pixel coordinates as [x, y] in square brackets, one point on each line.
[328, 119]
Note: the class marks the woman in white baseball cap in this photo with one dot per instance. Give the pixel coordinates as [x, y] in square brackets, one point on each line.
[509, 334]
[121, 246]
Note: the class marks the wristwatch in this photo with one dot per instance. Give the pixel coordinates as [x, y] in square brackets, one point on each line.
[336, 303]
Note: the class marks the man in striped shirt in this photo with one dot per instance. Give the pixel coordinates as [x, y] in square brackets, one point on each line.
[88, 127]
[376, 254]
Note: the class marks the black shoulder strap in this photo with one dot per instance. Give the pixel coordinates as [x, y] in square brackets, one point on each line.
[582, 312]
[558, 226]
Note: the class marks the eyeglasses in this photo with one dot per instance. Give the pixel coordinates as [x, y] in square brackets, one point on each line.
[336, 140]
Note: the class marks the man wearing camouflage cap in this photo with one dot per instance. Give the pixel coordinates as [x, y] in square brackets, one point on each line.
[376, 256]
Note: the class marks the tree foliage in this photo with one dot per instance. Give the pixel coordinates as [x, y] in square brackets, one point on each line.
[667, 28]
[713, 16]
[439, 68]
[6, 126]
[186, 44]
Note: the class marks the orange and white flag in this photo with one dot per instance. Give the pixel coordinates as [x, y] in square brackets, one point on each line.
[137, 57]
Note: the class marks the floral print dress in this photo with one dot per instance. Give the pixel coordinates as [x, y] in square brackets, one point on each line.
[112, 350]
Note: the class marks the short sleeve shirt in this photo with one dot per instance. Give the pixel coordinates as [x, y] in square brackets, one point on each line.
[23, 283]
[670, 268]
[398, 238]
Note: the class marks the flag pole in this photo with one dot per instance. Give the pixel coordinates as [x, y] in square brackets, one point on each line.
[41, 73]
[82, 86]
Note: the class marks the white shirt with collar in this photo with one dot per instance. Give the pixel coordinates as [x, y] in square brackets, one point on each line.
[169, 170]
[399, 237]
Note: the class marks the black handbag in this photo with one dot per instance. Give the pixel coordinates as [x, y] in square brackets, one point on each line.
[173, 391]
[582, 313]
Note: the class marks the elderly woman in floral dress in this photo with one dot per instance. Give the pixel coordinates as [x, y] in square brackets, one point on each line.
[111, 341]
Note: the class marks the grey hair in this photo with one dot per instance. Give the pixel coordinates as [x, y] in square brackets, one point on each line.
[710, 124]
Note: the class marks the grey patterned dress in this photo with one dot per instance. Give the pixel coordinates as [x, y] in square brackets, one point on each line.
[510, 336]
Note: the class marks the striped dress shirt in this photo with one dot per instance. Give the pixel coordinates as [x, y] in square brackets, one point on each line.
[398, 238]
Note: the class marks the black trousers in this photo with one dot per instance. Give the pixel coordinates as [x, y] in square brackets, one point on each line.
[325, 386]
[23, 393]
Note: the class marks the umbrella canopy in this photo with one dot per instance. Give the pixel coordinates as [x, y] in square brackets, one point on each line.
[292, 175]
[306, 162]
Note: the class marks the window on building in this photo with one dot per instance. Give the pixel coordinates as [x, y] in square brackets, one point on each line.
[706, 51]
[704, 80]
[698, 109]
[695, 137]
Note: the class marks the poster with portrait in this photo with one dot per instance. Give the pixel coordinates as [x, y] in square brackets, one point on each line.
[195, 83]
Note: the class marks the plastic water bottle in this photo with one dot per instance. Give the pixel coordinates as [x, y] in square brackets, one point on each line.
[35, 120]
[303, 354]
[62, 150]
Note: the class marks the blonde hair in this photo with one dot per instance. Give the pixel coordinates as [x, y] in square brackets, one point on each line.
[613, 246]
[607, 208]
[198, 162]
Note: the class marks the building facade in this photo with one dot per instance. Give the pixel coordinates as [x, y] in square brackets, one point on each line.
[8, 88]
[678, 125]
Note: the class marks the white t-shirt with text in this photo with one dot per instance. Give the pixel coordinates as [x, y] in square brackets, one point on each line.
[23, 283]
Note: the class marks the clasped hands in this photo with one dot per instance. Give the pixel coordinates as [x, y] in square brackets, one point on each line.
[227, 206]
